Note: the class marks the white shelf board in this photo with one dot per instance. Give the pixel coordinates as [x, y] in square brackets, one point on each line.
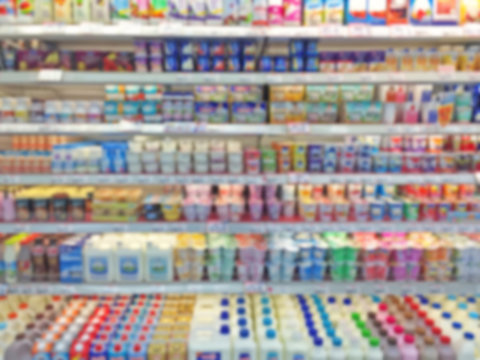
[129, 128]
[326, 287]
[239, 227]
[307, 178]
[58, 77]
[92, 31]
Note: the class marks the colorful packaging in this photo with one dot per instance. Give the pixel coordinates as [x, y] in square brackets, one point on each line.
[25, 10]
[81, 11]
[397, 12]
[214, 12]
[469, 11]
[292, 12]
[357, 12]
[245, 12]
[178, 10]
[275, 12]
[334, 11]
[140, 9]
[62, 10]
[196, 11]
[445, 12]
[100, 11]
[7, 11]
[421, 12]
[120, 10]
[313, 12]
[260, 11]
[230, 12]
[377, 12]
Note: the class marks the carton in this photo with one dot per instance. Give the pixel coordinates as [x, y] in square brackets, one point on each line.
[62, 10]
[313, 12]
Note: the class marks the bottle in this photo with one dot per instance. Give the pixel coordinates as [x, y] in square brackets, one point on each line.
[8, 206]
[382, 313]
[296, 346]
[408, 350]
[467, 348]
[445, 351]
[20, 349]
[374, 352]
[271, 347]
[428, 351]
[245, 347]
[337, 351]
[318, 350]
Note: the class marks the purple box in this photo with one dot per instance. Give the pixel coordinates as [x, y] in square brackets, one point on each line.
[29, 59]
[88, 60]
[314, 165]
[56, 59]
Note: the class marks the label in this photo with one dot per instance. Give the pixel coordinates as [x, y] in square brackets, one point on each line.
[128, 267]
[208, 356]
[50, 75]
[272, 355]
[158, 269]
[244, 356]
[98, 266]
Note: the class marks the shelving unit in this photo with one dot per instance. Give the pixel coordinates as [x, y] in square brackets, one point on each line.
[240, 227]
[59, 77]
[378, 288]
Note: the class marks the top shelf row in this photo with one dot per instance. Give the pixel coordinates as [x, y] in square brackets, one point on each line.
[350, 33]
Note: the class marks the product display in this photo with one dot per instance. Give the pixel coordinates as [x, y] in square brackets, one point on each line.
[251, 12]
[281, 257]
[233, 203]
[284, 326]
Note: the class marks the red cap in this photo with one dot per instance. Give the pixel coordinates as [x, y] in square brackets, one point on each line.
[124, 337]
[437, 331]
[414, 306]
[391, 320]
[408, 299]
[429, 322]
[398, 329]
[409, 339]
[445, 340]
[142, 296]
[98, 347]
[56, 298]
[12, 315]
[422, 314]
[137, 347]
[383, 307]
[142, 337]
[141, 303]
[117, 347]
[23, 306]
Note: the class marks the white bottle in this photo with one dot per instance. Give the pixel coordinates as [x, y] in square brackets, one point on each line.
[158, 262]
[296, 347]
[318, 351]
[99, 262]
[270, 347]
[374, 351]
[206, 342]
[244, 347]
[130, 262]
[467, 348]
[337, 351]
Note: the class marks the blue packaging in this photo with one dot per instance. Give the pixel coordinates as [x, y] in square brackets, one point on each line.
[312, 48]
[118, 350]
[170, 47]
[356, 12]
[185, 47]
[202, 48]
[151, 111]
[234, 47]
[203, 63]
[71, 259]
[265, 63]
[377, 210]
[395, 163]
[171, 63]
[312, 64]
[234, 64]
[218, 63]
[99, 350]
[297, 47]
[281, 64]
[217, 48]
[380, 164]
[112, 111]
[249, 112]
[395, 210]
[364, 164]
[131, 110]
[297, 63]
[250, 47]
[186, 63]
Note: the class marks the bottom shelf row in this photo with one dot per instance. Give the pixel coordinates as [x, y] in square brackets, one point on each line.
[240, 327]
[135, 258]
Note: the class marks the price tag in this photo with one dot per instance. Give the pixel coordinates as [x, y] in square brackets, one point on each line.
[330, 31]
[217, 227]
[446, 69]
[120, 228]
[397, 76]
[298, 128]
[159, 227]
[50, 75]
[359, 31]
[254, 288]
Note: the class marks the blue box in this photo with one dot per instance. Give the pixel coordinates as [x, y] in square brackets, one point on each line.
[71, 259]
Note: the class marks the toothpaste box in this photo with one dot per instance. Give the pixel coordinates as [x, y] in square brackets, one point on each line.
[357, 12]
[333, 11]
[313, 12]
[71, 259]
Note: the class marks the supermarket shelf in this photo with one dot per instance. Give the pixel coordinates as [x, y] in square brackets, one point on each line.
[307, 178]
[325, 130]
[92, 31]
[240, 227]
[59, 77]
[460, 288]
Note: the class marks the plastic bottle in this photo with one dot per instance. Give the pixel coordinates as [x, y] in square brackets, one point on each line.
[382, 313]
[445, 351]
[20, 349]
[374, 351]
[467, 348]
[392, 352]
[319, 351]
[271, 347]
[130, 262]
[337, 351]
[158, 262]
[296, 346]
[408, 350]
[428, 351]
[244, 347]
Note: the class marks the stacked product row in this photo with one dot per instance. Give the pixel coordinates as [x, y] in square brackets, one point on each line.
[173, 55]
[369, 154]
[316, 104]
[248, 13]
[263, 327]
[281, 257]
[233, 203]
